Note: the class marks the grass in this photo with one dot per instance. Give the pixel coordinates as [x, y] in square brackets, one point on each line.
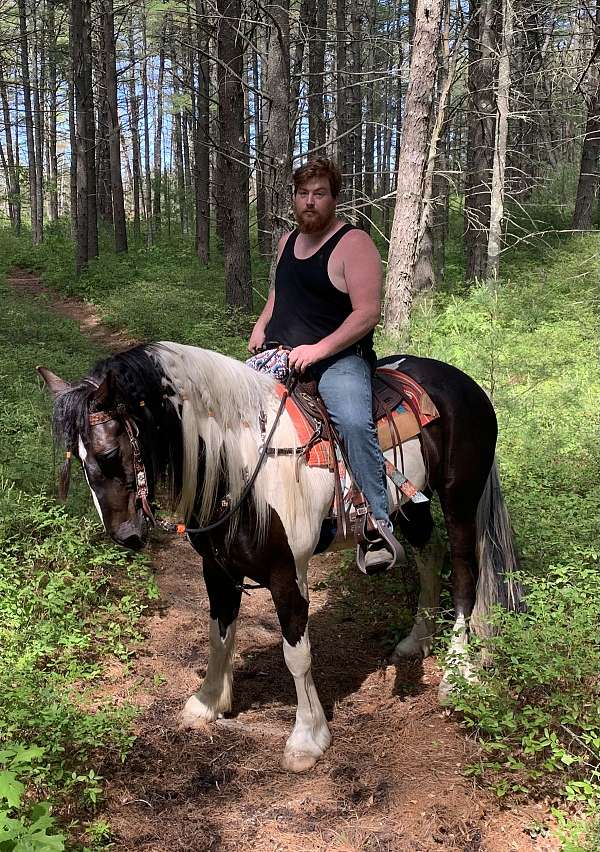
[532, 341]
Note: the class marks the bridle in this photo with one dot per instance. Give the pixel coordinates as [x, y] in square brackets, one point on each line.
[142, 491]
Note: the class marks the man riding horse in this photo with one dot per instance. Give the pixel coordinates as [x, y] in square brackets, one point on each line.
[324, 305]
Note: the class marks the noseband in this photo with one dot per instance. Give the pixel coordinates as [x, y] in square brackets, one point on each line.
[139, 469]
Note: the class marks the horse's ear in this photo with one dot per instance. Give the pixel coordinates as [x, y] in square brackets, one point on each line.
[54, 383]
[105, 394]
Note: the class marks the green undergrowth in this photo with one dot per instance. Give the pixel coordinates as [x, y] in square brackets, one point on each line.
[157, 293]
[532, 342]
[69, 602]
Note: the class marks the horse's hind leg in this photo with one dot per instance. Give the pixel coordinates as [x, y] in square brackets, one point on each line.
[429, 551]
[310, 737]
[215, 695]
[461, 534]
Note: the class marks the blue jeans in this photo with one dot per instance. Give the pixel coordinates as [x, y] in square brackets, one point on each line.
[345, 384]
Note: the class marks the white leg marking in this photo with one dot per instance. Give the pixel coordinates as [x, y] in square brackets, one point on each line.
[83, 457]
[457, 659]
[419, 641]
[215, 695]
[310, 737]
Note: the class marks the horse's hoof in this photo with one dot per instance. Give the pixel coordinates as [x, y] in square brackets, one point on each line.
[445, 692]
[297, 761]
[408, 649]
[195, 715]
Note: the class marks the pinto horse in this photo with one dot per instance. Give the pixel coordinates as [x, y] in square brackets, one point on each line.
[198, 419]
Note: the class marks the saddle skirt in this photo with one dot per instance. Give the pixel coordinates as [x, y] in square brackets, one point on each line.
[401, 408]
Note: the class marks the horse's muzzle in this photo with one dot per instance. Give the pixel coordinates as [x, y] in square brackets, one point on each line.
[132, 535]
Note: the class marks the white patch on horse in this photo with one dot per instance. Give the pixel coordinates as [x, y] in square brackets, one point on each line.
[216, 693]
[410, 462]
[83, 456]
[310, 737]
[457, 663]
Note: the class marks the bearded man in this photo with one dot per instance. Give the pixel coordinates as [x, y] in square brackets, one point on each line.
[325, 304]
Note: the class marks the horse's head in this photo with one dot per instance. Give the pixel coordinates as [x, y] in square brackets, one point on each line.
[96, 427]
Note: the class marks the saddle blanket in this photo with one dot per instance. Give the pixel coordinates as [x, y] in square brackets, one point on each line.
[409, 416]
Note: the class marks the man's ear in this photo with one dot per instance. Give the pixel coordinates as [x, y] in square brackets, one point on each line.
[54, 383]
[105, 395]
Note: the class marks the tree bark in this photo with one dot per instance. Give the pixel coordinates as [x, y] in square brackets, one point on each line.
[277, 153]
[14, 186]
[37, 236]
[134, 107]
[78, 58]
[404, 243]
[149, 224]
[114, 130]
[233, 157]
[481, 136]
[53, 207]
[344, 139]
[316, 76]
[500, 147]
[202, 143]
[589, 169]
[156, 209]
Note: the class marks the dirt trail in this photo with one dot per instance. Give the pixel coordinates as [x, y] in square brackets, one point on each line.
[392, 780]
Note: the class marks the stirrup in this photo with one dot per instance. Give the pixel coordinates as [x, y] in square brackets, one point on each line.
[374, 556]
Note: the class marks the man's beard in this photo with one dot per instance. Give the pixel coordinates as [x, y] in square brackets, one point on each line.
[313, 223]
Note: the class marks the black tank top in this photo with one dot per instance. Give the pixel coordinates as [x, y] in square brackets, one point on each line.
[308, 307]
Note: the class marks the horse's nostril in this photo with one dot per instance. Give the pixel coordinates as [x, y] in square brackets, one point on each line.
[130, 536]
[133, 542]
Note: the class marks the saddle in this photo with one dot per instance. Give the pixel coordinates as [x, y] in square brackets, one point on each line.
[401, 407]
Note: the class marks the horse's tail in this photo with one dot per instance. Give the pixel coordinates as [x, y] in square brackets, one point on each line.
[496, 555]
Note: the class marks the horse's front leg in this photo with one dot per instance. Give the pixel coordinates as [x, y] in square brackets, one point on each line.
[215, 695]
[310, 737]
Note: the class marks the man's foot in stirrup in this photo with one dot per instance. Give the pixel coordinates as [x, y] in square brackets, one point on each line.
[382, 553]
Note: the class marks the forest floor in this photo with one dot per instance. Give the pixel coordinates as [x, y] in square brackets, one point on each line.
[393, 779]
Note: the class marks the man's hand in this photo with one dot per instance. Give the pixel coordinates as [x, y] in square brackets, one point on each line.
[257, 339]
[303, 356]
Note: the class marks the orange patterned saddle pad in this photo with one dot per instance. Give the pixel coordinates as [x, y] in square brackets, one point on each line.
[416, 410]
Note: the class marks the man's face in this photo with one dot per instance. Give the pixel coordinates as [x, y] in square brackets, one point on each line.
[314, 205]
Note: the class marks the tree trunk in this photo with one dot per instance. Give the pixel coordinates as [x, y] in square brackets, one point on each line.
[264, 241]
[134, 107]
[316, 77]
[404, 243]
[481, 137]
[499, 167]
[589, 169]
[33, 198]
[90, 139]
[156, 210]
[344, 139]
[103, 178]
[38, 86]
[149, 227]
[277, 155]
[14, 186]
[74, 151]
[369, 157]
[233, 157]
[52, 89]
[114, 130]
[202, 143]
[78, 58]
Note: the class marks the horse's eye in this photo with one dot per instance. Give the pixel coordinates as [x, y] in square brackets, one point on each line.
[109, 462]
